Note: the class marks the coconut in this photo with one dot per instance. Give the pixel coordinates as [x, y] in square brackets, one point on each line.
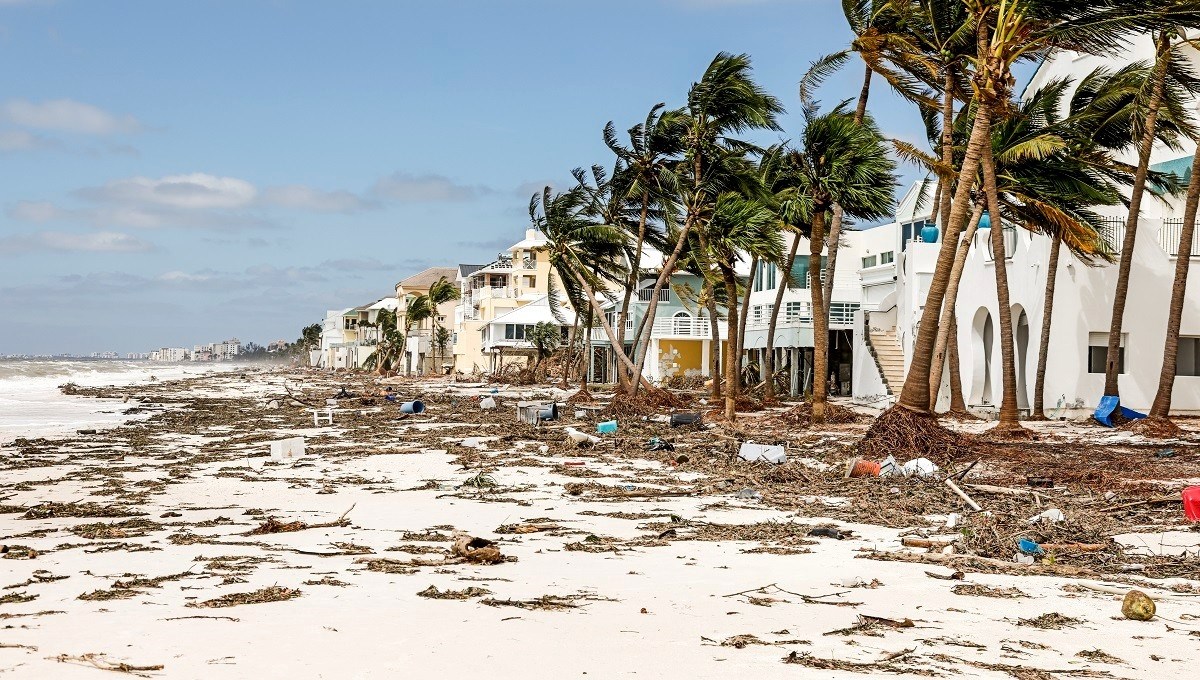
[1137, 606]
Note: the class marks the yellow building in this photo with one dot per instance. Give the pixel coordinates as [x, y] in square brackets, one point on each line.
[517, 277]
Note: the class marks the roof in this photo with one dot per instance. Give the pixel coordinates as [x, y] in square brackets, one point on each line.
[535, 312]
[533, 239]
[465, 270]
[427, 278]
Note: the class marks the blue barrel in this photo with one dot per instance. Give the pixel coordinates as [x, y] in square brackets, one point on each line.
[929, 234]
[412, 407]
[550, 413]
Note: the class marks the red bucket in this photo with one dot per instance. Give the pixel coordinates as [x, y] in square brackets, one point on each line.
[1191, 503]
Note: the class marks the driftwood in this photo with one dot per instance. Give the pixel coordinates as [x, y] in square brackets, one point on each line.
[984, 564]
[915, 542]
[962, 494]
[1162, 500]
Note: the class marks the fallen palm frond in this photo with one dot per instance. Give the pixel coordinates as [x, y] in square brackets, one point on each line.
[269, 594]
[98, 661]
[274, 526]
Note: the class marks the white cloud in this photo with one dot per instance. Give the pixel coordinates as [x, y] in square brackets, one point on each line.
[37, 212]
[23, 140]
[67, 115]
[301, 197]
[405, 187]
[95, 242]
[197, 191]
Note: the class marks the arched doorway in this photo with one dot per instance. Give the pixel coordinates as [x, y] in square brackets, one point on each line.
[1021, 345]
[981, 357]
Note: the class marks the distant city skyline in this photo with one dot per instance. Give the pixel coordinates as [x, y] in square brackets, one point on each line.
[247, 165]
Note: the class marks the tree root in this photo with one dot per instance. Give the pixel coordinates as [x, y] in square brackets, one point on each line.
[904, 433]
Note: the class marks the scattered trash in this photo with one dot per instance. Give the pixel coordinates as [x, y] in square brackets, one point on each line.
[680, 419]
[1023, 559]
[1165, 453]
[287, 448]
[831, 532]
[1052, 515]
[919, 467]
[1110, 404]
[606, 427]
[85, 431]
[754, 452]
[659, 444]
[1110, 495]
[580, 437]
[953, 520]
[857, 467]
[749, 494]
[415, 407]
[580, 414]
[474, 443]
[1040, 482]
[536, 412]
[273, 404]
[322, 416]
[1029, 547]
[1137, 606]
[1191, 503]
[479, 550]
[487, 403]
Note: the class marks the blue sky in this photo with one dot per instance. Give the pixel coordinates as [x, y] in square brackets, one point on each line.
[179, 173]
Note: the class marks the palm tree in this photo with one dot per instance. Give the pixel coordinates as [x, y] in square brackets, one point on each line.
[1005, 33]
[417, 311]
[442, 291]
[651, 182]
[584, 254]
[737, 225]
[841, 161]
[724, 103]
[1161, 408]
[1170, 76]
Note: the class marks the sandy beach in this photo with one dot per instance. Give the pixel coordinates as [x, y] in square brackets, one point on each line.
[176, 546]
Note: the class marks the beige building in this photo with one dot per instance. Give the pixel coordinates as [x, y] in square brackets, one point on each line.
[518, 277]
[423, 352]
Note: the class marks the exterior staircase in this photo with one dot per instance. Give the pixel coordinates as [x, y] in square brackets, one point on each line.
[889, 358]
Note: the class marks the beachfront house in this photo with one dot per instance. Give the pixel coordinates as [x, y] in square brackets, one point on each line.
[517, 278]
[423, 350]
[349, 336]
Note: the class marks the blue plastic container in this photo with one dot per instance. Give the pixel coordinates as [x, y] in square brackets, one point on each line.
[414, 407]
[550, 413]
[929, 234]
[606, 427]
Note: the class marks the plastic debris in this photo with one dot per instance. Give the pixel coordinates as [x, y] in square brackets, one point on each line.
[607, 427]
[1191, 503]
[1023, 559]
[1029, 547]
[830, 532]
[749, 494]
[919, 467]
[1165, 453]
[857, 467]
[415, 407]
[580, 437]
[953, 520]
[487, 403]
[292, 447]
[680, 419]
[769, 452]
[1052, 515]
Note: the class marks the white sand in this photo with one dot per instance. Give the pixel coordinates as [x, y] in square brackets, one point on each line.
[378, 627]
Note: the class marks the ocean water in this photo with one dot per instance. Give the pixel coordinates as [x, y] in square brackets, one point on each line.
[31, 405]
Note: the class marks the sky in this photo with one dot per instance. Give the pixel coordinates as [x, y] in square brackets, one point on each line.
[178, 173]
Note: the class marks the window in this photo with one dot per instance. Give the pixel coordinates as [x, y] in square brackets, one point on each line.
[1187, 362]
[888, 257]
[770, 272]
[868, 262]
[516, 331]
[842, 312]
[800, 271]
[1098, 353]
[454, 338]
[764, 277]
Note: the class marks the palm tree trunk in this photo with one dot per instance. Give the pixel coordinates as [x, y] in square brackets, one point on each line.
[958, 406]
[944, 197]
[732, 358]
[1166, 378]
[1145, 147]
[1039, 383]
[743, 315]
[1008, 401]
[863, 94]
[587, 354]
[915, 395]
[945, 324]
[635, 269]
[647, 323]
[571, 340]
[608, 329]
[816, 241]
[781, 281]
[714, 347]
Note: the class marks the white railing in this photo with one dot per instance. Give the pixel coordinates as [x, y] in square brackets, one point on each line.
[842, 312]
[682, 326]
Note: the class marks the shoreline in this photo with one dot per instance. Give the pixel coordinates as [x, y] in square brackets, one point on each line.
[627, 562]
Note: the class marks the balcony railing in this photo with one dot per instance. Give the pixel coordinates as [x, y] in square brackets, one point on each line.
[1168, 238]
[682, 326]
[645, 294]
